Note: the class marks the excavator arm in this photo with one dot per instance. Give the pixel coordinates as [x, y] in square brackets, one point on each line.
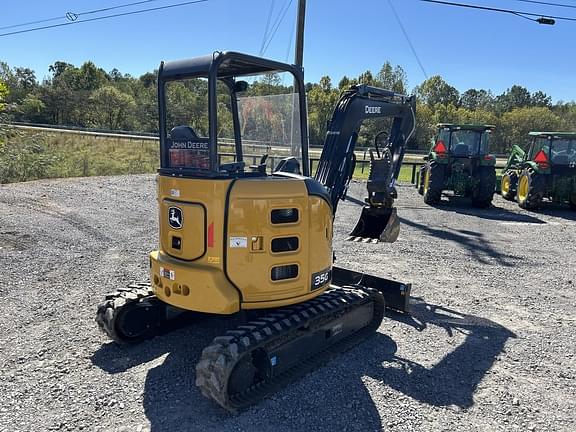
[337, 161]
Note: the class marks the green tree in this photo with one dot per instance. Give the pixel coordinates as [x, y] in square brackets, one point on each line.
[31, 109]
[473, 99]
[515, 125]
[3, 94]
[425, 122]
[366, 78]
[567, 112]
[541, 99]
[90, 77]
[111, 108]
[321, 101]
[344, 83]
[59, 67]
[515, 97]
[435, 90]
[392, 78]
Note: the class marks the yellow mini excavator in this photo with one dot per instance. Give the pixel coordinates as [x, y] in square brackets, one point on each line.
[256, 240]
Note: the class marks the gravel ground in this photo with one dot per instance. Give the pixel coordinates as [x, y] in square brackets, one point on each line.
[489, 345]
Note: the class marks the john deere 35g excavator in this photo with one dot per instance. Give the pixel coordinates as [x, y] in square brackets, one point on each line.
[240, 240]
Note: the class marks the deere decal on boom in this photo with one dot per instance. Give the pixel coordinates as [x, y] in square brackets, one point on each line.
[241, 238]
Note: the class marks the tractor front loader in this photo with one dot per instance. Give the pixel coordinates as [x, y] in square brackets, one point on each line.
[546, 171]
[253, 241]
[509, 178]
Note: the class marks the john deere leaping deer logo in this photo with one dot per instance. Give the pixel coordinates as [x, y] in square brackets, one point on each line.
[175, 217]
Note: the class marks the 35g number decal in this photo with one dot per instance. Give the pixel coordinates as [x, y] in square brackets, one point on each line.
[321, 278]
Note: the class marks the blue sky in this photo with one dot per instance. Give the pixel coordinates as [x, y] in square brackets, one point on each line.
[470, 49]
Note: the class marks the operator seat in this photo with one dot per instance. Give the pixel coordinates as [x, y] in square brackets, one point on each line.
[289, 165]
[461, 150]
[183, 133]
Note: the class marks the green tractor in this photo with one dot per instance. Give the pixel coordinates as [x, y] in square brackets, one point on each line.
[546, 170]
[459, 161]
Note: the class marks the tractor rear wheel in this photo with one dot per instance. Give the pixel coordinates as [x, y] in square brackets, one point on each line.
[421, 175]
[433, 183]
[485, 187]
[530, 190]
[508, 185]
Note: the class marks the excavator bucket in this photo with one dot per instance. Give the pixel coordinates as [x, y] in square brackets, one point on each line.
[376, 225]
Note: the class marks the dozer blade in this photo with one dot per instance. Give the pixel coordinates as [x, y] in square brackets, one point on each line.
[396, 294]
[376, 224]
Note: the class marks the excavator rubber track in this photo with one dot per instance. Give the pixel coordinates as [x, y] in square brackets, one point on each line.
[131, 314]
[253, 361]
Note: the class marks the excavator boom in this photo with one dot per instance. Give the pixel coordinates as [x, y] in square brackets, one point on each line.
[378, 221]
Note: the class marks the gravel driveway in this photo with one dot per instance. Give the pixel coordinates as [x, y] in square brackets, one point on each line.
[490, 344]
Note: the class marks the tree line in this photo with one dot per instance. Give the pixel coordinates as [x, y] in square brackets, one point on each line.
[88, 96]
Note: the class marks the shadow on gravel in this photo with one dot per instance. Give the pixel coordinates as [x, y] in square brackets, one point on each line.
[460, 206]
[493, 213]
[556, 210]
[475, 242]
[172, 402]
[454, 379]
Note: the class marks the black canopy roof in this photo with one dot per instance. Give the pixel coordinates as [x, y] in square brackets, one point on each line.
[228, 64]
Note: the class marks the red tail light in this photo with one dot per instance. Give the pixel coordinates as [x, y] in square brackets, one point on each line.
[542, 160]
[488, 157]
[211, 235]
[440, 147]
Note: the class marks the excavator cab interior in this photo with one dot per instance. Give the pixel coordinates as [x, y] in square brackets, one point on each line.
[225, 114]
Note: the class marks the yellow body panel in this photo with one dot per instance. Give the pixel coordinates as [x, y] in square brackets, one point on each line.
[221, 259]
[189, 250]
[198, 287]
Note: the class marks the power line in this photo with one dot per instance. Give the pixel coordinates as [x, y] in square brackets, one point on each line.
[547, 3]
[103, 17]
[277, 25]
[71, 16]
[513, 12]
[267, 27]
[408, 38]
[291, 38]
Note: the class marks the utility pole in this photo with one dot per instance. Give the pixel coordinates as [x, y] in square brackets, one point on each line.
[298, 61]
[299, 54]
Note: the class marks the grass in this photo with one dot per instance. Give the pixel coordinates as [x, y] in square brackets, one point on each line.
[28, 155]
[404, 176]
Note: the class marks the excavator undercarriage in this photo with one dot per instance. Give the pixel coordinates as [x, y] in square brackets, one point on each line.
[273, 348]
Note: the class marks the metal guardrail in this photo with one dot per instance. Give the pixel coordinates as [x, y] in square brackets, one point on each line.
[154, 136]
[107, 133]
[254, 144]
